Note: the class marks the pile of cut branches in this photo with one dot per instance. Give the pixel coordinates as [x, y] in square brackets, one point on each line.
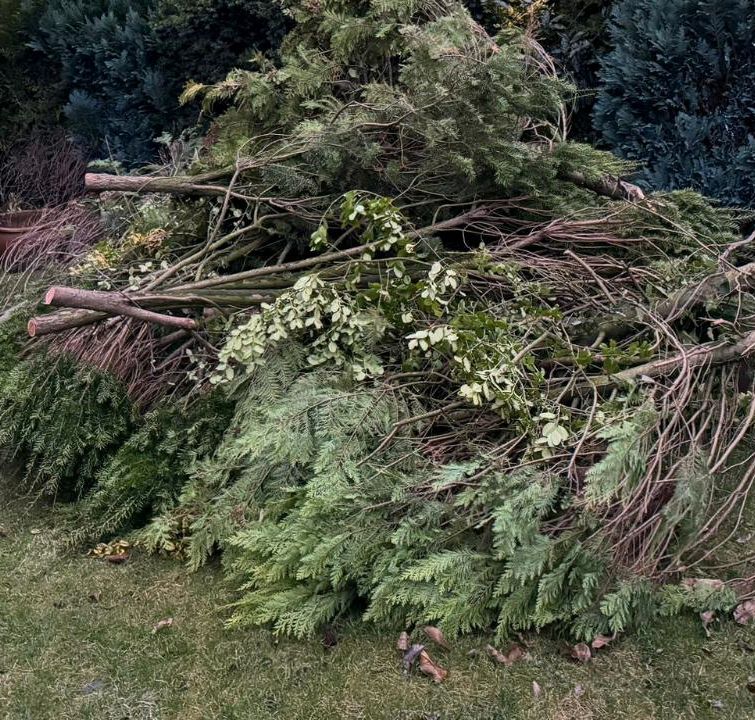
[511, 387]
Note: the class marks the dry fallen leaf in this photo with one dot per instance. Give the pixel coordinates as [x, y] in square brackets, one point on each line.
[329, 637]
[581, 652]
[436, 635]
[497, 655]
[403, 643]
[600, 641]
[537, 691]
[92, 687]
[168, 622]
[412, 654]
[744, 612]
[428, 666]
[118, 559]
[509, 658]
[707, 618]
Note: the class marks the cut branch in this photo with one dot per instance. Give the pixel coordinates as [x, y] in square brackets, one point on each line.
[609, 186]
[175, 185]
[707, 354]
[199, 185]
[61, 321]
[713, 287]
[111, 304]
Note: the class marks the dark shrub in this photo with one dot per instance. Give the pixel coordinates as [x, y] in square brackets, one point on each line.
[678, 94]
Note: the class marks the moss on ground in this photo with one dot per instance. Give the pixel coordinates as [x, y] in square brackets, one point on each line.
[65, 656]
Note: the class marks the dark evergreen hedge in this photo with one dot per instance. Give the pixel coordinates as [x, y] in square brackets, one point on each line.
[120, 65]
[678, 94]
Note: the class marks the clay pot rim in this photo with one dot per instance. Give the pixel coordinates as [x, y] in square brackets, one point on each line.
[22, 218]
[19, 230]
[25, 221]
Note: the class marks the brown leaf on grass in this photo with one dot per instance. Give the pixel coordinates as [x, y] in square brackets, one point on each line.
[707, 618]
[403, 643]
[581, 652]
[744, 612]
[92, 687]
[497, 655]
[436, 635]
[329, 637]
[412, 654]
[168, 622]
[118, 559]
[429, 667]
[514, 653]
[537, 691]
[600, 641]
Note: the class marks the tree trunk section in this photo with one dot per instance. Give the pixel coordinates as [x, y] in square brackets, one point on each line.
[179, 185]
[112, 304]
[61, 321]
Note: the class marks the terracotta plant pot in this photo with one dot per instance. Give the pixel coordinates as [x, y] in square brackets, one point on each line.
[14, 225]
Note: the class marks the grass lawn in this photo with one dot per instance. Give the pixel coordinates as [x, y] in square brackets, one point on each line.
[76, 641]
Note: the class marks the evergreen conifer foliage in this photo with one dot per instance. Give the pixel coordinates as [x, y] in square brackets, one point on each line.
[117, 101]
[28, 80]
[121, 65]
[63, 421]
[203, 40]
[677, 94]
[146, 473]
